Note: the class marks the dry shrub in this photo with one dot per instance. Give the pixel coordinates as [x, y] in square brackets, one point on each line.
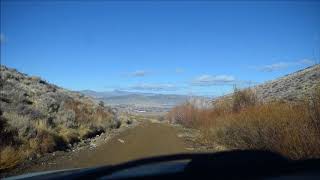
[31, 146]
[22, 124]
[278, 127]
[41, 136]
[314, 108]
[9, 157]
[243, 99]
[292, 129]
[48, 139]
[8, 135]
[96, 119]
[68, 135]
[82, 111]
[46, 142]
[83, 131]
[185, 114]
[190, 116]
[90, 121]
[101, 118]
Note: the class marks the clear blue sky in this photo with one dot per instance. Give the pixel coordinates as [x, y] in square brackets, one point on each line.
[164, 47]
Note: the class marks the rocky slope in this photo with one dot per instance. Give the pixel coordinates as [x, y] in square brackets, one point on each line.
[291, 87]
[38, 117]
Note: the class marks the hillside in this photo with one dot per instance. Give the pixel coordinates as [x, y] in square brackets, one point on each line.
[291, 87]
[38, 117]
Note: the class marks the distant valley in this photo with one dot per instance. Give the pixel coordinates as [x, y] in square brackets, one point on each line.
[142, 102]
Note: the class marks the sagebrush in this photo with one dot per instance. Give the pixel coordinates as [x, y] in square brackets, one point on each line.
[288, 128]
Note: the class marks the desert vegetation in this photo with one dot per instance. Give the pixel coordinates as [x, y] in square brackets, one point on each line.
[37, 117]
[241, 121]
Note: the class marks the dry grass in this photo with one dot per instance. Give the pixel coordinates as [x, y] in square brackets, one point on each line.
[278, 127]
[45, 136]
[291, 129]
[45, 141]
[69, 135]
[243, 99]
[90, 119]
[9, 157]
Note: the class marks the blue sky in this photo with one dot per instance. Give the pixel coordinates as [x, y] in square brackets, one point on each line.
[164, 47]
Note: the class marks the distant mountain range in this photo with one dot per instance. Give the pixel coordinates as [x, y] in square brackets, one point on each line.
[293, 86]
[115, 93]
[118, 97]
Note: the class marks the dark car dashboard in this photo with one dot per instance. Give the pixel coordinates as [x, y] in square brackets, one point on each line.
[223, 165]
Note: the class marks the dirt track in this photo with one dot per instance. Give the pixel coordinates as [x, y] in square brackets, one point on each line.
[145, 140]
[149, 139]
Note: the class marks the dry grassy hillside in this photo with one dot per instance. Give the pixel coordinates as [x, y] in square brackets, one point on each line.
[291, 87]
[282, 116]
[37, 117]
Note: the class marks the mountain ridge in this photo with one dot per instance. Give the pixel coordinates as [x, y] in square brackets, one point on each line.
[118, 97]
[291, 87]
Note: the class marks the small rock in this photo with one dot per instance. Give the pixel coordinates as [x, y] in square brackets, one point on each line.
[129, 121]
[190, 149]
[81, 144]
[93, 145]
[180, 135]
[121, 141]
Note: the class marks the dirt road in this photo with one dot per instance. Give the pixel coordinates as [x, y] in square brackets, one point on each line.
[148, 139]
[145, 140]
